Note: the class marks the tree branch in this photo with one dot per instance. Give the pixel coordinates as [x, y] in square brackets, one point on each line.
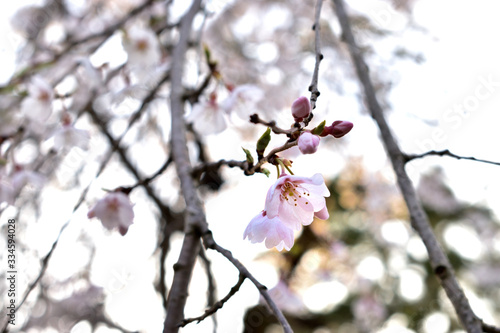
[195, 221]
[262, 289]
[255, 119]
[420, 222]
[313, 87]
[490, 329]
[446, 152]
[219, 304]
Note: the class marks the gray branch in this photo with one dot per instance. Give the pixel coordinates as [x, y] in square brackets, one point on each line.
[419, 220]
[195, 221]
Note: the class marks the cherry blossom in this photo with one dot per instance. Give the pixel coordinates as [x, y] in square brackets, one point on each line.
[291, 202]
[242, 100]
[308, 143]
[208, 117]
[301, 108]
[272, 230]
[142, 47]
[68, 137]
[114, 211]
[37, 106]
[297, 200]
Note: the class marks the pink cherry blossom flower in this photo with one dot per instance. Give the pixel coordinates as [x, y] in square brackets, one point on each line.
[114, 211]
[273, 231]
[208, 117]
[308, 143]
[338, 129]
[37, 106]
[301, 108]
[297, 200]
[291, 202]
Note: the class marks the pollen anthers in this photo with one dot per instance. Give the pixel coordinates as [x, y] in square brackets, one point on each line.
[292, 191]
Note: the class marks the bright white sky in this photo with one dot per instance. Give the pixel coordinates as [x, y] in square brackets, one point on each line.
[461, 54]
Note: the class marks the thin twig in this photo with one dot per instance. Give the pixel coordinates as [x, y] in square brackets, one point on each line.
[420, 222]
[262, 289]
[212, 287]
[219, 304]
[148, 180]
[198, 170]
[255, 119]
[243, 165]
[271, 155]
[313, 87]
[446, 152]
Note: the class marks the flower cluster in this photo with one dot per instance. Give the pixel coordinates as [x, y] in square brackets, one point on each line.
[294, 201]
[291, 202]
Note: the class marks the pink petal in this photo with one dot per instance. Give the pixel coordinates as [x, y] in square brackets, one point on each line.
[322, 214]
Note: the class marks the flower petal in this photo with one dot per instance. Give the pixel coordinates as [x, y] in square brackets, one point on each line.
[322, 214]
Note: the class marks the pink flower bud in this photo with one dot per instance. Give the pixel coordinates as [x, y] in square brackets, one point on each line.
[308, 143]
[338, 129]
[301, 108]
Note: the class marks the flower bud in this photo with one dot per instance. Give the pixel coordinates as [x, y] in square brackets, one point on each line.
[301, 108]
[308, 143]
[338, 129]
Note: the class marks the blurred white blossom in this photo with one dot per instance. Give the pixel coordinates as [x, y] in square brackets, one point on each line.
[142, 47]
[114, 211]
[243, 100]
[37, 106]
[208, 117]
[68, 137]
[22, 177]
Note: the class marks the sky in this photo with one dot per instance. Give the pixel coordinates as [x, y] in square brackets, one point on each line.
[447, 102]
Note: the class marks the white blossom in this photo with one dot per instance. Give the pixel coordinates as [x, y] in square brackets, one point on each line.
[37, 106]
[68, 137]
[243, 100]
[142, 47]
[114, 211]
[207, 117]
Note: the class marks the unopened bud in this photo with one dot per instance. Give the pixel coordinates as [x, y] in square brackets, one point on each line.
[338, 129]
[308, 143]
[301, 108]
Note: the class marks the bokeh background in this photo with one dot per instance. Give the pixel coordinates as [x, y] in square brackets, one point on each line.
[435, 66]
